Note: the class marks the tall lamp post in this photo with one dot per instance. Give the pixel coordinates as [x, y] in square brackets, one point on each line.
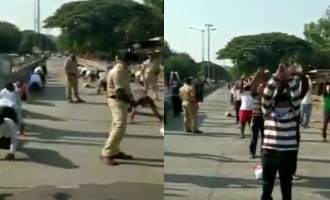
[209, 29]
[203, 36]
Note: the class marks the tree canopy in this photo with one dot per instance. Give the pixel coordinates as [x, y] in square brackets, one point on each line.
[187, 66]
[102, 25]
[250, 52]
[15, 41]
[318, 33]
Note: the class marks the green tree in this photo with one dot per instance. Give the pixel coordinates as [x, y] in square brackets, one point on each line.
[102, 25]
[167, 51]
[318, 32]
[32, 39]
[250, 52]
[10, 37]
[181, 63]
[158, 5]
[220, 73]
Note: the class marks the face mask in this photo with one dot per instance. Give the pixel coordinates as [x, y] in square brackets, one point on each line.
[281, 111]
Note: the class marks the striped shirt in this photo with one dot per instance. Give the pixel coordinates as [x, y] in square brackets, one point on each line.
[256, 111]
[280, 131]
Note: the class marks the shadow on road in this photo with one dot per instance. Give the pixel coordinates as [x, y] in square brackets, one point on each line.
[48, 133]
[42, 103]
[117, 190]
[5, 195]
[52, 92]
[48, 157]
[34, 115]
[61, 196]
[204, 157]
[176, 123]
[145, 164]
[211, 182]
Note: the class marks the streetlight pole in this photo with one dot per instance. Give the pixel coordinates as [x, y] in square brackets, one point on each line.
[209, 29]
[203, 36]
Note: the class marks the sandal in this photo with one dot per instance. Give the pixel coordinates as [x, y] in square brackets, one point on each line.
[108, 160]
[123, 156]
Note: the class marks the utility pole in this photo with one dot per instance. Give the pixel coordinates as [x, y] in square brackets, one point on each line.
[36, 9]
[38, 23]
[203, 37]
[209, 29]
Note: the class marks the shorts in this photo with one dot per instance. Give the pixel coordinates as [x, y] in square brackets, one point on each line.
[245, 116]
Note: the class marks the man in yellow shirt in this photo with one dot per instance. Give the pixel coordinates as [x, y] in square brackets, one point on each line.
[190, 106]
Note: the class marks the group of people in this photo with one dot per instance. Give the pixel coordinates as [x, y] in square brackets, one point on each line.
[276, 107]
[122, 100]
[120, 97]
[184, 97]
[11, 112]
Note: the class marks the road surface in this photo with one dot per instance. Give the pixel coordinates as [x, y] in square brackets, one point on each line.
[59, 159]
[216, 165]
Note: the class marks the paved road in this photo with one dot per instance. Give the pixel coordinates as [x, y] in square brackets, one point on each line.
[59, 158]
[216, 165]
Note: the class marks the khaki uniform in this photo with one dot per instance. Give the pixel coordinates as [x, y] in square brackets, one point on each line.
[188, 95]
[72, 75]
[117, 78]
[149, 69]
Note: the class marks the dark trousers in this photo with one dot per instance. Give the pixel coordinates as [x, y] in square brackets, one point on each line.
[256, 127]
[298, 119]
[165, 112]
[283, 162]
[176, 104]
[237, 107]
[5, 143]
[24, 97]
[42, 77]
[326, 120]
[34, 87]
[8, 112]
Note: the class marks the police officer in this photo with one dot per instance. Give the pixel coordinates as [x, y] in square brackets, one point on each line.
[72, 74]
[119, 99]
[150, 70]
[190, 106]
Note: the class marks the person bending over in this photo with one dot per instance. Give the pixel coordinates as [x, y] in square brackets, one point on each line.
[146, 101]
[10, 105]
[102, 82]
[22, 90]
[35, 83]
[8, 137]
[39, 70]
[280, 142]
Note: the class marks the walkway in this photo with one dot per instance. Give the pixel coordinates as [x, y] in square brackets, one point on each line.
[216, 165]
[59, 158]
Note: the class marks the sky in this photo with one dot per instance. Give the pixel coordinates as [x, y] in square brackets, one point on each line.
[21, 12]
[233, 18]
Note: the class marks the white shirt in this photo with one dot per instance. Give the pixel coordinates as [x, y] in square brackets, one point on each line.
[90, 72]
[38, 70]
[247, 102]
[8, 98]
[237, 95]
[308, 97]
[8, 130]
[35, 78]
[4, 102]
